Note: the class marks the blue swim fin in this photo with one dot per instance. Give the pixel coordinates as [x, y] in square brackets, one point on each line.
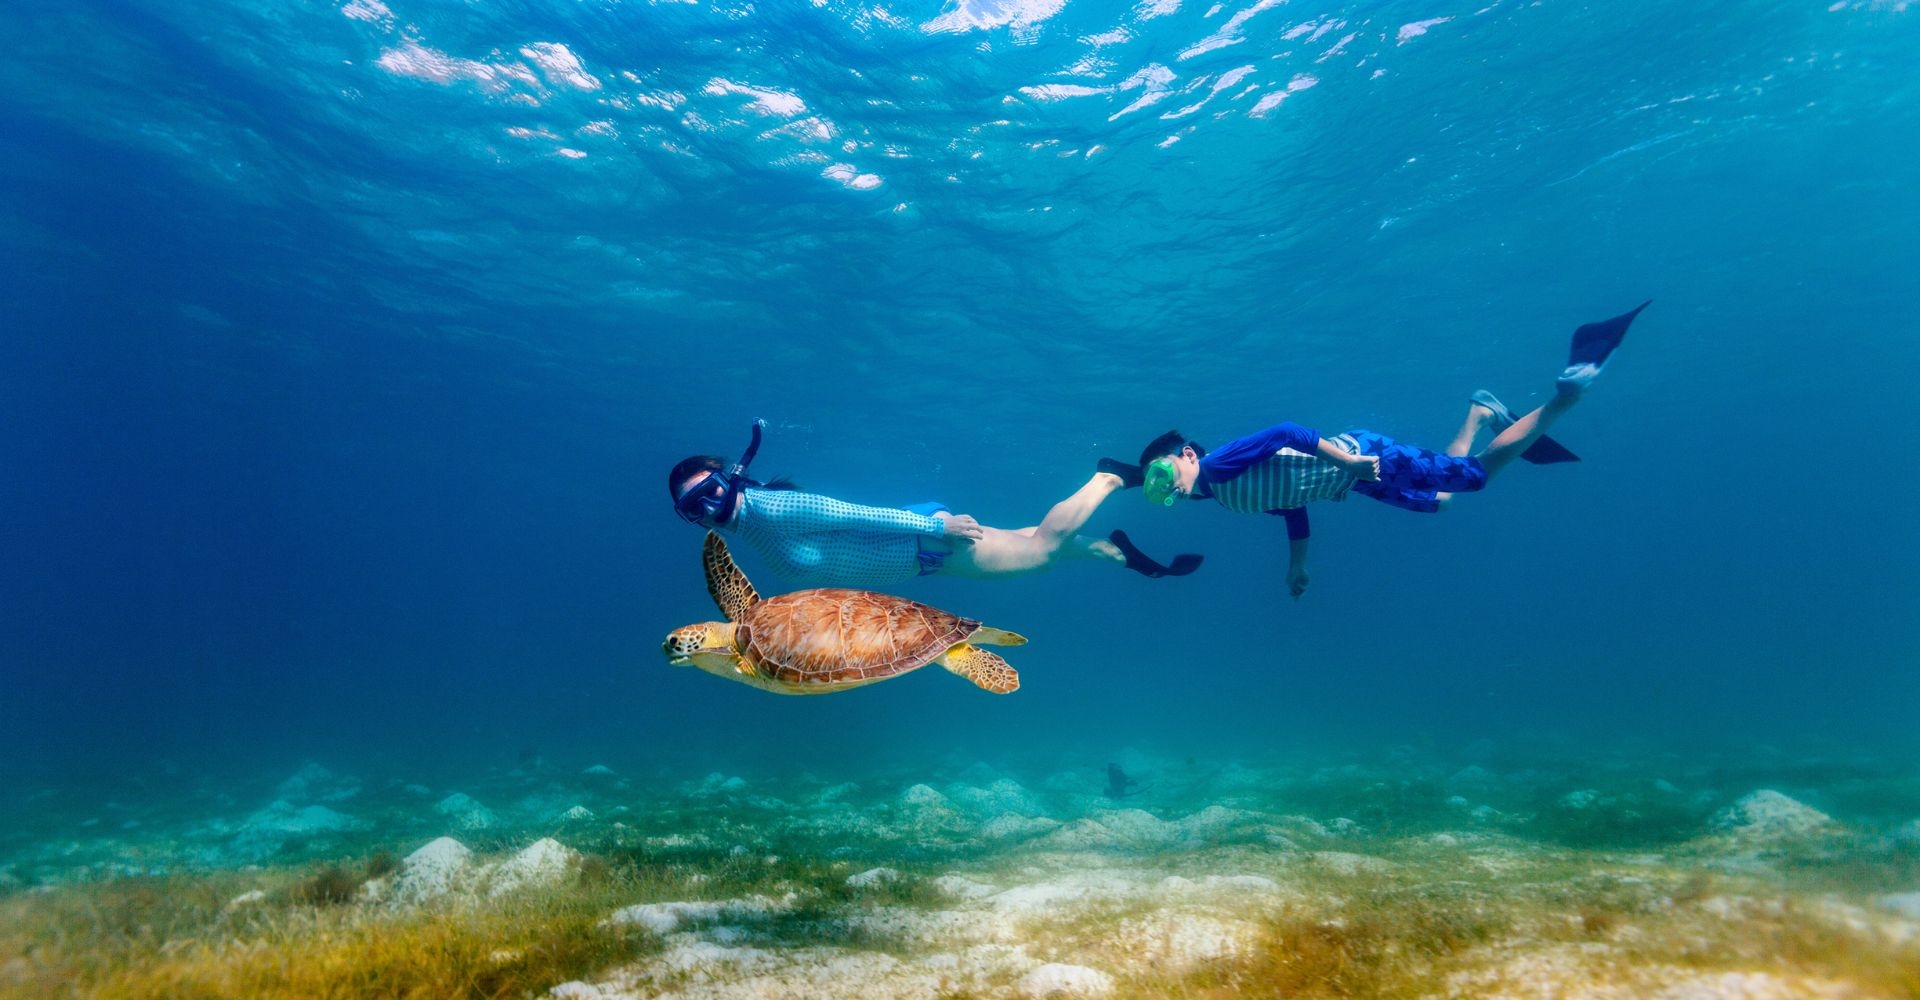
[1594, 341]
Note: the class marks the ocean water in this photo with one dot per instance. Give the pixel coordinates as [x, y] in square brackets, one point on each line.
[346, 346]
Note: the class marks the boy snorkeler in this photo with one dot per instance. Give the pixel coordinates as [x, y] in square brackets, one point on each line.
[1283, 468]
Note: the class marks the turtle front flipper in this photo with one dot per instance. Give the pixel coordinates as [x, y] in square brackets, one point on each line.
[985, 669]
[725, 582]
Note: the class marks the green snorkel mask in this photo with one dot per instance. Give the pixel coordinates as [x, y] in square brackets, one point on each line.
[1160, 477]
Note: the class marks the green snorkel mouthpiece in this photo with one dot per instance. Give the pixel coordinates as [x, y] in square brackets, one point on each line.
[1160, 477]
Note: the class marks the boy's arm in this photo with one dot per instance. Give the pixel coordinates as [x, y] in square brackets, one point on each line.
[1366, 467]
[1297, 533]
[1297, 567]
[1236, 456]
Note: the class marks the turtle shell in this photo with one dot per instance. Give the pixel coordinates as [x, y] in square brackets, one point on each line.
[838, 637]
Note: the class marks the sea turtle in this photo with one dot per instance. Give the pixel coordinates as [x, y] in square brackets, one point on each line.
[818, 641]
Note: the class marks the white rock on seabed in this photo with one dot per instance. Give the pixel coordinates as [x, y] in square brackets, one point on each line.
[924, 798]
[1013, 827]
[1003, 796]
[1584, 798]
[1123, 828]
[924, 812]
[665, 918]
[282, 818]
[267, 831]
[600, 771]
[247, 898]
[1347, 863]
[1256, 883]
[467, 813]
[440, 867]
[542, 863]
[1766, 814]
[718, 784]
[963, 887]
[1055, 979]
[1180, 941]
[1088, 884]
[873, 877]
[1907, 904]
[577, 814]
[1215, 820]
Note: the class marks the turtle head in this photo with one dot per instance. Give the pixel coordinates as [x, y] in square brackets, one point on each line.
[708, 645]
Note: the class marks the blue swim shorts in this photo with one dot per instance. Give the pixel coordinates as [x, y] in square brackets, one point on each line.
[1411, 478]
[930, 562]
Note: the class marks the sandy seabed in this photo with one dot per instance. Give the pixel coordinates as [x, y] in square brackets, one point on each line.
[1396, 874]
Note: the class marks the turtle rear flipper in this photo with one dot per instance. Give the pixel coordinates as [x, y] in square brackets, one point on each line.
[985, 669]
[997, 637]
[725, 582]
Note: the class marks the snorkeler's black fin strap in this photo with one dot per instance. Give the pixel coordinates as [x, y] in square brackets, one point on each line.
[1130, 475]
[1594, 341]
[1546, 451]
[1139, 561]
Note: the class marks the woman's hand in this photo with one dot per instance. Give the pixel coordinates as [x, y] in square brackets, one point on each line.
[1364, 467]
[961, 526]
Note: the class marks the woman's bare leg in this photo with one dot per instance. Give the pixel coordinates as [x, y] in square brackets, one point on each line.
[1028, 549]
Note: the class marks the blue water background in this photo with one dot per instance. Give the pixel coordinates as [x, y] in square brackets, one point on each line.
[337, 391]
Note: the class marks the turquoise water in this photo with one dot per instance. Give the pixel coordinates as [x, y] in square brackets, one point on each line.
[347, 345]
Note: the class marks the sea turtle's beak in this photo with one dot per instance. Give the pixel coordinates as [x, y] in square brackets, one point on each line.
[681, 644]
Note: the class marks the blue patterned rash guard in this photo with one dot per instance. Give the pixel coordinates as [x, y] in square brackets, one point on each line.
[824, 542]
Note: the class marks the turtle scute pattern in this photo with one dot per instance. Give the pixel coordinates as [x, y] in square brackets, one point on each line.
[839, 636]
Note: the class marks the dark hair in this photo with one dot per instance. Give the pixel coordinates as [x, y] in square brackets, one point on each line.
[696, 464]
[1169, 443]
[691, 467]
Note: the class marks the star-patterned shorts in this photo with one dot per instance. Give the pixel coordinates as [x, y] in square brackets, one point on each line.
[1411, 478]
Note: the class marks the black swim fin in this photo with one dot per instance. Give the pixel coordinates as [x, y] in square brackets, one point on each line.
[1546, 451]
[1139, 561]
[1130, 475]
[1594, 341]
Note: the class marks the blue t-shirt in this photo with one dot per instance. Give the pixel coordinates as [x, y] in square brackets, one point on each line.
[1224, 464]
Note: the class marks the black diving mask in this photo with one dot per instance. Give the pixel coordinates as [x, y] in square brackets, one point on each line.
[712, 497]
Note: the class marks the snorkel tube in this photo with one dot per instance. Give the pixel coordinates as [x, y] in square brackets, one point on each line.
[735, 475]
[746, 457]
